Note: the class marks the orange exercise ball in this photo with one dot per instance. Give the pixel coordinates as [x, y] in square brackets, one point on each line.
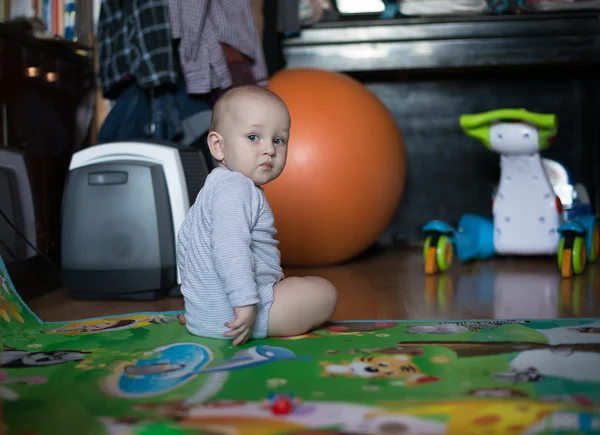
[345, 171]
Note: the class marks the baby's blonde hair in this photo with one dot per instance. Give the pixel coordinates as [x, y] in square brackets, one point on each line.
[241, 91]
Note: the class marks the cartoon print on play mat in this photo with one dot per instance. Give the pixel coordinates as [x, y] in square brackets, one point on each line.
[459, 327]
[10, 308]
[580, 334]
[494, 416]
[465, 349]
[9, 311]
[130, 321]
[400, 367]
[171, 366]
[400, 349]
[12, 358]
[586, 329]
[561, 363]
[310, 418]
[501, 416]
[358, 329]
[526, 362]
[7, 393]
[508, 392]
[4, 282]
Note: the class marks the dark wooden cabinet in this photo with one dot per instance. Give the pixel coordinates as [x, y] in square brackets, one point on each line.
[47, 94]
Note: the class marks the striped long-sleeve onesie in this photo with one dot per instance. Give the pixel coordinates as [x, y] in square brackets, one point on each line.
[227, 254]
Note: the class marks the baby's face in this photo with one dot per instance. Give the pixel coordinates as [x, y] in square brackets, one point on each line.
[255, 136]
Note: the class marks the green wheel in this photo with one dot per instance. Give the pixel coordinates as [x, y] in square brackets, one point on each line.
[438, 253]
[579, 256]
[572, 258]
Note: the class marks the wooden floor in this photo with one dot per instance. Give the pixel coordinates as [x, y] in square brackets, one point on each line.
[390, 285]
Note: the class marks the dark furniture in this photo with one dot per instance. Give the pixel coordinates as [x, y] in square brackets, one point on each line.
[46, 103]
[430, 71]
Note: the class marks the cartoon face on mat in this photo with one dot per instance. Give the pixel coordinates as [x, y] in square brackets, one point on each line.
[92, 326]
[380, 367]
[12, 358]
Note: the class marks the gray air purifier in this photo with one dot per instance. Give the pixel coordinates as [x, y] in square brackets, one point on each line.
[18, 232]
[123, 206]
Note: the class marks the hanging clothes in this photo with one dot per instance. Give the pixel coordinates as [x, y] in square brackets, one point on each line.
[288, 17]
[259, 16]
[272, 37]
[139, 68]
[134, 43]
[173, 116]
[202, 26]
[169, 114]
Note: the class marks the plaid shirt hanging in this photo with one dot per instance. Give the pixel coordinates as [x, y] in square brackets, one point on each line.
[134, 41]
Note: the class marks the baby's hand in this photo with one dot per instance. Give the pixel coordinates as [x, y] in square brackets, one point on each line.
[241, 327]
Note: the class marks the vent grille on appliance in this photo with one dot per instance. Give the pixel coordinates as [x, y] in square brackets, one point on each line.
[195, 170]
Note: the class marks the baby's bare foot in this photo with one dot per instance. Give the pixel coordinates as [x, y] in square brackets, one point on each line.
[181, 318]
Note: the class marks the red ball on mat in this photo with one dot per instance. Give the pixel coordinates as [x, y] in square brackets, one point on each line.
[282, 406]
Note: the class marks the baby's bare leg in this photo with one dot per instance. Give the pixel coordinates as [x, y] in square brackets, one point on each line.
[300, 304]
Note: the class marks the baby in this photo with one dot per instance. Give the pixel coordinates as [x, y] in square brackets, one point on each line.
[232, 282]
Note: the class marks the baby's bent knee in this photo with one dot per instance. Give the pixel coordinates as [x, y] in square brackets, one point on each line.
[324, 292]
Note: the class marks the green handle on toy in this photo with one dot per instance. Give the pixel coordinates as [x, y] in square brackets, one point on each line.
[478, 125]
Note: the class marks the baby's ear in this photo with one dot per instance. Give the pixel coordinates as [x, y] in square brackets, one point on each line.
[215, 144]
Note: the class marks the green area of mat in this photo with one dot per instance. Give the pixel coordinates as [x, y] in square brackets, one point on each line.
[144, 374]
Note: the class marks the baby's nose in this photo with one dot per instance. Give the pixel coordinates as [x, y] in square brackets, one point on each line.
[270, 149]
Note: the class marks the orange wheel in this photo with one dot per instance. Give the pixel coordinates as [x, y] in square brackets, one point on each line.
[438, 253]
[431, 267]
[572, 255]
[566, 269]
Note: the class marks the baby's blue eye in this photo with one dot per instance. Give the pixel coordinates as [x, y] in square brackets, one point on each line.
[253, 137]
[278, 141]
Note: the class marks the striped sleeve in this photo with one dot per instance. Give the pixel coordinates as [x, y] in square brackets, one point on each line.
[182, 245]
[231, 215]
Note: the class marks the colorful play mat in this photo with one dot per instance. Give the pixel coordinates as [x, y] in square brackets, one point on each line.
[144, 374]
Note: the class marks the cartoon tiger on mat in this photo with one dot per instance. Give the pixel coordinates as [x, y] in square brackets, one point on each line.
[396, 367]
